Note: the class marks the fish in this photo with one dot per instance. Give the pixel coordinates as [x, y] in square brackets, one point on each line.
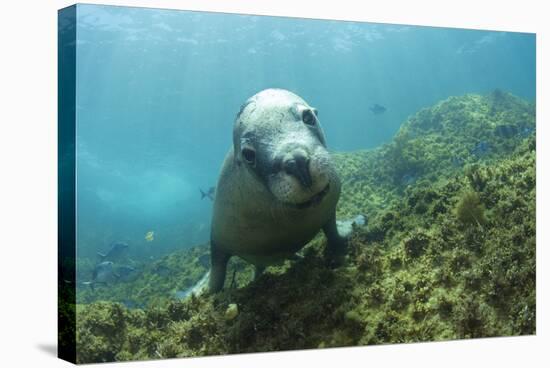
[377, 109]
[116, 251]
[208, 194]
[103, 274]
[150, 236]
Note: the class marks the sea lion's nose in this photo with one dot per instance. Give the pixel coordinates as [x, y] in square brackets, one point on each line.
[297, 165]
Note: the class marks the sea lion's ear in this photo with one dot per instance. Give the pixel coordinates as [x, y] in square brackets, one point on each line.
[315, 111]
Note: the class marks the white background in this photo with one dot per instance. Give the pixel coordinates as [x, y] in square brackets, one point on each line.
[28, 202]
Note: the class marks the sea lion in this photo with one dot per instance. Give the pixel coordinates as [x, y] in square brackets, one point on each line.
[277, 187]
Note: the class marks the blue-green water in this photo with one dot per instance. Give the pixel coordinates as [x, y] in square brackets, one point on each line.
[157, 92]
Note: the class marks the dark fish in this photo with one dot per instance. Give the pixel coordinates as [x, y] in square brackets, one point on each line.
[480, 149]
[204, 260]
[103, 274]
[115, 252]
[377, 109]
[209, 193]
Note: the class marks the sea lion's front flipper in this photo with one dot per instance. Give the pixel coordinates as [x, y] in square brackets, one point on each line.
[337, 245]
[218, 259]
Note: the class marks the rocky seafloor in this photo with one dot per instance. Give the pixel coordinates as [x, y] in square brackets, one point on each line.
[448, 252]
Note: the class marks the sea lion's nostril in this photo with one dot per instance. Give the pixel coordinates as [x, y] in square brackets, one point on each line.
[298, 166]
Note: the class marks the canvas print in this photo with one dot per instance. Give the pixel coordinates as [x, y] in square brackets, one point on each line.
[234, 183]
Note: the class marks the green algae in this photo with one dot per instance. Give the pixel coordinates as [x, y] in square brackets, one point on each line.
[469, 210]
[153, 283]
[448, 253]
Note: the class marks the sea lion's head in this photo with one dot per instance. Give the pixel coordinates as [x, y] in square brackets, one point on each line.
[278, 138]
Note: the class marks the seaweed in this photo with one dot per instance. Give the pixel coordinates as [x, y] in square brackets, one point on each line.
[470, 210]
[450, 254]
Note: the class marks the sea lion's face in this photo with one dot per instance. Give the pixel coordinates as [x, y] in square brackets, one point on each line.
[278, 138]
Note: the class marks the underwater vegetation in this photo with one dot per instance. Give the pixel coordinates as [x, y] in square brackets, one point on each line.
[448, 252]
[150, 283]
[66, 308]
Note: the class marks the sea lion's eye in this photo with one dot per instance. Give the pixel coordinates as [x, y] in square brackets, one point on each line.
[308, 118]
[249, 155]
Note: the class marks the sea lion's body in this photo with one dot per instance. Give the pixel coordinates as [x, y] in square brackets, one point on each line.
[277, 186]
[248, 223]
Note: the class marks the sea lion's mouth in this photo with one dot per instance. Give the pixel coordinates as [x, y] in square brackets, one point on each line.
[316, 199]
